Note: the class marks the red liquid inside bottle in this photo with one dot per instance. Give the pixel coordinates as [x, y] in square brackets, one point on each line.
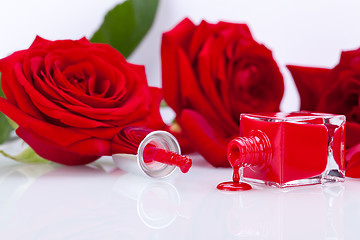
[153, 154]
[289, 149]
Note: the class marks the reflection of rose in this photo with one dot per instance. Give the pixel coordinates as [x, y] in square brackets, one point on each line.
[335, 90]
[70, 98]
[211, 74]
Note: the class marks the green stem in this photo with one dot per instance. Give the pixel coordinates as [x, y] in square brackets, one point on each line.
[26, 156]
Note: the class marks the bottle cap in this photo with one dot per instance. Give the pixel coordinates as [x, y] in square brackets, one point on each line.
[161, 140]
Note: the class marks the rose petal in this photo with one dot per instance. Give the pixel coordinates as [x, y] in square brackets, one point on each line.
[258, 82]
[14, 92]
[92, 146]
[41, 43]
[36, 133]
[53, 152]
[39, 79]
[193, 98]
[205, 140]
[59, 135]
[198, 40]
[311, 83]
[352, 159]
[51, 109]
[171, 41]
[156, 121]
[185, 144]
[341, 97]
[352, 134]
[103, 133]
[138, 95]
[105, 96]
[349, 59]
[210, 91]
[128, 139]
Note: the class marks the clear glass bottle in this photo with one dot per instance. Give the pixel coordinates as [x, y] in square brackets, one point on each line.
[157, 153]
[289, 149]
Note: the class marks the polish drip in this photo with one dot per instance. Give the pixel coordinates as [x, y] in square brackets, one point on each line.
[254, 150]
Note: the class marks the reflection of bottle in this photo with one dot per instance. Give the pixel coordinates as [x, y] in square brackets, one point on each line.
[334, 219]
[157, 201]
[157, 152]
[289, 149]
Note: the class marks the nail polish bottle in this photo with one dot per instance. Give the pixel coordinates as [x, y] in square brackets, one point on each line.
[289, 149]
[157, 153]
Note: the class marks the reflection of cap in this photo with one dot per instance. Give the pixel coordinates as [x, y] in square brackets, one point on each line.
[157, 201]
[158, 205]
[159, 139]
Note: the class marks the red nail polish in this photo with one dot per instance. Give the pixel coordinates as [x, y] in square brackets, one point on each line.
[289, 149]
[156, 152]
[153, 154]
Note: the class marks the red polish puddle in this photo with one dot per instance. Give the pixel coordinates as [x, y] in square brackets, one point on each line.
[234, 186]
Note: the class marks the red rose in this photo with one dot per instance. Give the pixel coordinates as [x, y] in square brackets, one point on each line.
[70, 98]
[211, 74]
[335, 90]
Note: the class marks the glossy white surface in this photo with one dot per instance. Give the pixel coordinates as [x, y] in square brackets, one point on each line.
[100, 201]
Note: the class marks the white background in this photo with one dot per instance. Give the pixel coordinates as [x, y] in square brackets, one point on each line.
[304, 32]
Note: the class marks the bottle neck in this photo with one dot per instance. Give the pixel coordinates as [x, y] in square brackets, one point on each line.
[251, 151]
[159, 154]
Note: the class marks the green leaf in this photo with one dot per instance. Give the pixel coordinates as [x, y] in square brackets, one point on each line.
[125, 25]
[163, 104]
[13, 124]
[26, 156]
[1, 92]
[5, 127]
